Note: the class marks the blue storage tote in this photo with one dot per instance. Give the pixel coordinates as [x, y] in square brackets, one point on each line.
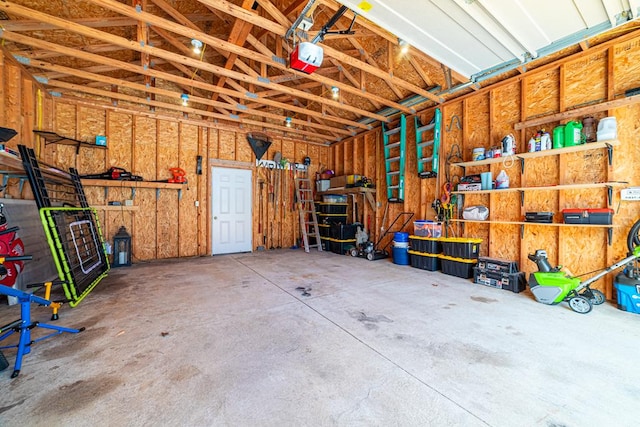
[628, 293]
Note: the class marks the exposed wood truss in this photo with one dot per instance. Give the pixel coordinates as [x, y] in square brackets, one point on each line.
[138, 54]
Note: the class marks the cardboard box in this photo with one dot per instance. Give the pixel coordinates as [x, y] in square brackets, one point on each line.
[469, 187]
[338, 181]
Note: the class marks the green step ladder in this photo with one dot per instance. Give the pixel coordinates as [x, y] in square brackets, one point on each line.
[428, 145]
[394, 158]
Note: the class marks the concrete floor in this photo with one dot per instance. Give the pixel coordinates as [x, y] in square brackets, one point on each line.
[230, 340]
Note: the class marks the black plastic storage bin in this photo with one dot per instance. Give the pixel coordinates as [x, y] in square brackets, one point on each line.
[458, 267]
[457, 247]
[341, 231]
[324, 230]
[326, 243]
[332, 208]
[331, 218]
[342, 246]
[424, 261]
[497, 265]
[513, 282]
[430, 245]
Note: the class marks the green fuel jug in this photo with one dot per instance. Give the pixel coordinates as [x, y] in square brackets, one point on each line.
[573, 133]
[558, 136]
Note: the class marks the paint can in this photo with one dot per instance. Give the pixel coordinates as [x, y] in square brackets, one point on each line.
[477, 154]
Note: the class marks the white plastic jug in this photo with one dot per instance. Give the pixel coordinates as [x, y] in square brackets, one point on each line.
[607, 129]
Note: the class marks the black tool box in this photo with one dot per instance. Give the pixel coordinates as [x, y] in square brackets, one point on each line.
[497, 265]
[513, 282]
[542, 217]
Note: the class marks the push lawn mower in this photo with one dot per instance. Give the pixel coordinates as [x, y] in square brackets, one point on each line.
[550, 285]
[372, 251]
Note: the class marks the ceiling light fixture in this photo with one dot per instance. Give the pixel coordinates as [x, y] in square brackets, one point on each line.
[197, 46]
[185, 99]
[287, 122]
[335, 92]
[404, 46]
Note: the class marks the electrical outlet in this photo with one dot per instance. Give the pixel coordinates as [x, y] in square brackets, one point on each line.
[197, 203]
[128, 202]
[305, 24]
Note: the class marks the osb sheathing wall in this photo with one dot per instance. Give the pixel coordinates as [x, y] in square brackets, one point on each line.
[163, 222]
[597, 75]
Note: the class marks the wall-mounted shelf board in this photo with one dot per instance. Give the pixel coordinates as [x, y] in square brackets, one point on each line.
[544, 153]
[544, 224]
[115, 208]
[548, 188]
[131, 184]
[366, 192]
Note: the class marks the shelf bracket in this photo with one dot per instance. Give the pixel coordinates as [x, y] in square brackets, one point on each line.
[157, 193]
[106, 193]
[609, 194]
[180, 194]
[521, 231]
[521, 198]
[521, 165]
[133, 193]
[610, 153]
[609, 235]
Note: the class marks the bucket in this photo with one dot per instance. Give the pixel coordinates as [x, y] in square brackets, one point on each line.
[400, 255]
[573, 133]
[400, 236]
[558, 136]
[477, 154]
[607, 129]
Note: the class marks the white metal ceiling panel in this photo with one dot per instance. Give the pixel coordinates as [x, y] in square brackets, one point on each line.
[474, 36]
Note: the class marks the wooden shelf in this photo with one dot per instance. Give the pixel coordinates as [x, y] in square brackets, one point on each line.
[115, 208]
[547, 188]
[131, 184]
[544, 153]
[544, 224]
[365, 191]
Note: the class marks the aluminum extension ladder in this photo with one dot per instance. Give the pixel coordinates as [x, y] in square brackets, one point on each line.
[307, 213]
[428, 136]
[394, 158]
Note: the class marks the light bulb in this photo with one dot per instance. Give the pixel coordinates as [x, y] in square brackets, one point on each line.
[335, 92]
[185, 99]
[197, 46]
[404, 46]
[287, 122]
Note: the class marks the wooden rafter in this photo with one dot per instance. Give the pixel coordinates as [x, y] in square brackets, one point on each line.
[18, 38]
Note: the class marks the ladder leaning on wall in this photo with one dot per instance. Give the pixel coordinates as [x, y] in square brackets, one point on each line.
[307, 213]
[428, 136]
[394, 157]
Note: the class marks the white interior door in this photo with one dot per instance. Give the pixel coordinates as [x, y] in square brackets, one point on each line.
[231, 201]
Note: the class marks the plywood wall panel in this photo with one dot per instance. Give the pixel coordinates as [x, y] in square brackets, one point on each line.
[167, 225]
[92, 123]
[583, 251]
[227, 141]
[145, 148]
[539, 237]
[145, 243]
[120, 140]
[586, 80]
[169, 149]
[504, 242]
[66, 119]
[187, 209]
[505, 111]
[244, 151]
[542, 94]
[626, 66]
[349, 153]
[478, 133]
[12, 97]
